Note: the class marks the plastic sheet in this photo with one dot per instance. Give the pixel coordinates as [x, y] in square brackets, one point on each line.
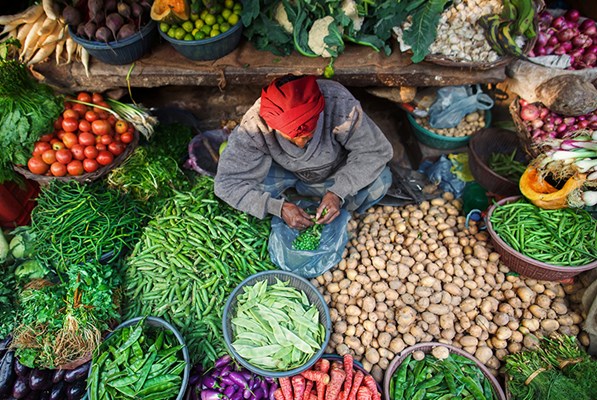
[454, 102]
[308, 264]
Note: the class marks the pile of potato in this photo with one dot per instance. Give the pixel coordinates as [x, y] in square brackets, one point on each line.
[416, 274]
[470, 124]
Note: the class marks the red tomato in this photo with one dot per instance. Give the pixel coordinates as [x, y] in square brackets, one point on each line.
[40, 147]
[86, 139]
[112, 120]
[60, 135]
[57, 144]
[126, 137]
[105, 157]
[121, 126]
[84, 96]
[70, 139]
[58, 169]
[78, 151]
[81, 109]
[75, 168]
[96, 97]
[37, 166]
[100, 147]
[84, 125]
[47, 137]
[68, 105]
[91, 116]
[91, 152]
[90, 165]
[105, 139]
[70, 113]
[102, 104]
[58, 122]
[116, 148]
[64, 156]
[49, 156]
[101, 114]
[101, 127]
[70, 124]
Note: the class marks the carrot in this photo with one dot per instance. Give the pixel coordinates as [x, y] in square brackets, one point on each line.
[358, 379]
[348, 369]
[364, 393]
[316, 376]
[312, 397]
[298, 386]
[308, 389]
[338, 376]
[286, 388]
[278, 395]
[324, 366]
[372, 386]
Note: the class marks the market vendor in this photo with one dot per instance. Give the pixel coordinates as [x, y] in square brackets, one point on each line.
[309, 134]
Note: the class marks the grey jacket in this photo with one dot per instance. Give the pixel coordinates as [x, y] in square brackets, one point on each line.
[347, 146]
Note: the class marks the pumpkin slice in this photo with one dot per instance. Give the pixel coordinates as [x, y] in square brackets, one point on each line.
[170, 11]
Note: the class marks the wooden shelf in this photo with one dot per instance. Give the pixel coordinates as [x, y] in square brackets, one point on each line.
[358, 66]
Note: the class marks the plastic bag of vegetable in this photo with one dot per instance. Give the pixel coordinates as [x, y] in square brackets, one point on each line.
[454, 102]
[308, 263]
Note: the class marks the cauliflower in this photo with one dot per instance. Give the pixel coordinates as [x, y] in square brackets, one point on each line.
[281, 17]
[317, 33]
[350, 9]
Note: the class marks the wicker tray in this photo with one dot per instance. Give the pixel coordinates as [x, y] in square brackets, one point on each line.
[426, 348]
[525, 265]
[85, 178]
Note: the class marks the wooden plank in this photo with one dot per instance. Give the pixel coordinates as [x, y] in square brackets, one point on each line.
[359, 66]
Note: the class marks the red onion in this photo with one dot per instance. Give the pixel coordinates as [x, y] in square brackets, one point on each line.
[571, 25]
[537, 123]
[523, 102]
[561, 128]
[590, 31]
[583, 124]
[560, 49]
[569, 120]
[557, 120]
[545, 17]
[593, 126]
[540, 51]
[548, 50]
[591, 49]
[558, 23]
[553, 40]
[529, 112]
[586, 24]
[572, 15]
[589, 59]
[581, 117]
[537, 133]
[543, 112]
[593, 117]
[549, 126]
[541, 39]
[565, 35]
[581, 41]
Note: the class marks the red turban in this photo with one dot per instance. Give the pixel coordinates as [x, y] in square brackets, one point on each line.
[292, 108]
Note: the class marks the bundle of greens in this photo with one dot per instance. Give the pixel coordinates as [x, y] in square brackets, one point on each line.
[152, 172]
[557, 369]
[7, 299]
[61, 323]
[28, 110]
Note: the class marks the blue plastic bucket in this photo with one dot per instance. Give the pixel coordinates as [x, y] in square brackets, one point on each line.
[210, 48]
[120, 52]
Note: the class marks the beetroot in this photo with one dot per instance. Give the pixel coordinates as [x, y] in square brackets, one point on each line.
[124, 10]
[114, 22]
[110, 6]
[90, 29]
[127, 30]
[103, 34]
[136, 10]
[71, 15]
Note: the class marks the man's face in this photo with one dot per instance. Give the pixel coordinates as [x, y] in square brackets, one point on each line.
[300, 141]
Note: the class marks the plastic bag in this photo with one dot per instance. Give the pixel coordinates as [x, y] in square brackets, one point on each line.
[454, 102]
[440, 173]
[308, 264]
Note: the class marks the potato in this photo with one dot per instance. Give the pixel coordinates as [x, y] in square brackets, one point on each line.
[353, 311]
[550, 325]
[418, 355]
[440, 352]
[372, 355]
[483, 354]
[340, 327]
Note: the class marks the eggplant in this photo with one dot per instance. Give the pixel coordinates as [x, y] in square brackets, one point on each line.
[33, 395]
[58, 391]
[20, 369]
[45, 395]
[76, 391]
[58, 375]
[77, 373]
[21, 388]
[40, 379]
[7, 373]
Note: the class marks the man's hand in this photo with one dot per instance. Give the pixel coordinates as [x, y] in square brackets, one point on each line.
[295, 217]
[331, 203]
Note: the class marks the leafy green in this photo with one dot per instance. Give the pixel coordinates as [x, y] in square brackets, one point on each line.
[423, 31]
[28, 110]
[7, 300]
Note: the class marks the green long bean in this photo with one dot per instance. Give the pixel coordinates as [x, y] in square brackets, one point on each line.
[565, 237]
[506, 165]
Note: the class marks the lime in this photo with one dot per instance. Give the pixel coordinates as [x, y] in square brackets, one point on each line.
[214, 32]
[187, 26]
[194, 31]
[229, 4]
[203, 14]
[194, 17]
[171, 32]
[199, 24]
[180, 33]
[209, 19]
[226, 13]
[215, 27]
[219, 19]
[206, 29]
[188, 36]
[224, 27]
[237, 7]
[200, 35]
[233, 19]
[164, 27]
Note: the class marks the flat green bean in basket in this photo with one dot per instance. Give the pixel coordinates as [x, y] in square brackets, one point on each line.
[562, 237]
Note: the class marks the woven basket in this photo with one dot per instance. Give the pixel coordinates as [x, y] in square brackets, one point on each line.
[85, 178]
[524, 135]
[426, 348]
[525, 265]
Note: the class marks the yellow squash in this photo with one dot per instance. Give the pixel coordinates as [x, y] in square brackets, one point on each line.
[542, 194]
